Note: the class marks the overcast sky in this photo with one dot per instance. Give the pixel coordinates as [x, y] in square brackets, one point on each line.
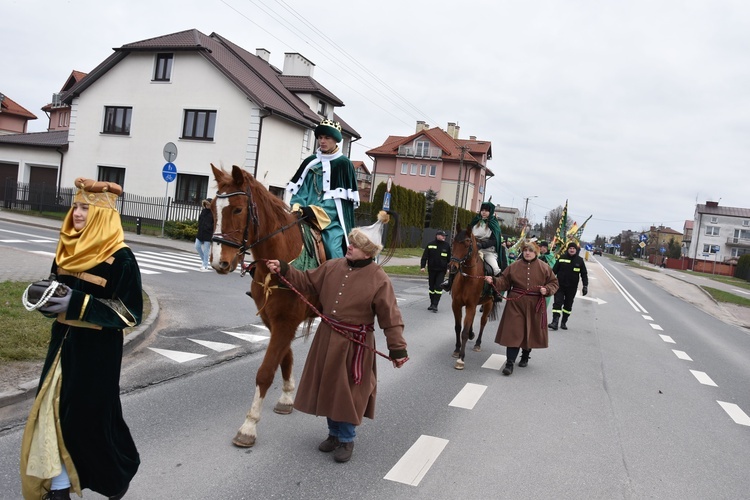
[631, 110]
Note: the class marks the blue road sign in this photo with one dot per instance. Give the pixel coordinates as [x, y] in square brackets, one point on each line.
[169, 172]
[643, 237]
[662, 250]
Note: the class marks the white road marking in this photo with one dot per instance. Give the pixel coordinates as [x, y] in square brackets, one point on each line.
[142, 265]
[42, 252]
[682, 355]
[592, 299]
[42, 241]
[416, 462]
[16, 232]
[703, 378]
[146, 271]
[262, 327]
[656, 327]
[178, 356]
[667, 338]
[735, 412]
[629, 298]
[495, 362]
[740, 291]
[216, 346]
[166, 262]
[647, 317]
[248, 337]
[468, 396]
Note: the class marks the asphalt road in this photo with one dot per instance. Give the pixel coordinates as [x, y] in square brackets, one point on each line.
[633, 401]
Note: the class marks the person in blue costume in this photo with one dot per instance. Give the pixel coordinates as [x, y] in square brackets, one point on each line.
[324, 189]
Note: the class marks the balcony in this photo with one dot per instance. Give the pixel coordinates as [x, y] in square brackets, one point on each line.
[738, 242]
[420, 152]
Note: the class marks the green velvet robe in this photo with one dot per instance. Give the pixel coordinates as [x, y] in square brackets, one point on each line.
[106, 299]
[329, 182]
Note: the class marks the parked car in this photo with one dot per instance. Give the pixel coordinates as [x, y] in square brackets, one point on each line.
[597, 251]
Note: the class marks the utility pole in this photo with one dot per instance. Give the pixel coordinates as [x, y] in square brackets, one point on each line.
[527, 205]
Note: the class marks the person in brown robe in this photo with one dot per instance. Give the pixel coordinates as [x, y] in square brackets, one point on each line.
[339, 380]
[523, 325]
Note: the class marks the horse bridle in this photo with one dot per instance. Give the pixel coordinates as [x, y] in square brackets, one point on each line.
[252, 216]
[462, 261]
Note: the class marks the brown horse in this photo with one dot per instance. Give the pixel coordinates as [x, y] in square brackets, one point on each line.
[467, 268]
[248, 218]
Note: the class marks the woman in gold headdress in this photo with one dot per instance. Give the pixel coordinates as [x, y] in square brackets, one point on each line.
[75, 436]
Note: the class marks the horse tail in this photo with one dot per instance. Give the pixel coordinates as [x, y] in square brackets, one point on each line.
[395, 239]
[493, 311]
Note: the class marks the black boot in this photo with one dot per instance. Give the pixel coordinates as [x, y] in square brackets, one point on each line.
[563, 324]
[555, 319]
[525, 355]
[508, 368]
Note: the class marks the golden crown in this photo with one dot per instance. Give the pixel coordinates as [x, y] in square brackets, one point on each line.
[331, 123]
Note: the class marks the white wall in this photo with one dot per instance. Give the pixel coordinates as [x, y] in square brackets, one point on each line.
[27, 157]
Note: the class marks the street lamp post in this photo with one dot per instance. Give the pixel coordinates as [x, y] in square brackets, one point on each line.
[525, 208]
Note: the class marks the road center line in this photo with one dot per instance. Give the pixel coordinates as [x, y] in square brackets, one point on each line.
[682, 355]
[418, 459]
[656, 327]
[667, 339]
[468, 396]
[703, 378]
[735, 412]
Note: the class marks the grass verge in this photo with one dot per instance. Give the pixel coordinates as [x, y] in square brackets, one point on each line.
[722, 296]
[24, 335]
[404, 270]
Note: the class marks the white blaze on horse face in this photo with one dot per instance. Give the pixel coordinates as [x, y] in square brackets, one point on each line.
[221, 204]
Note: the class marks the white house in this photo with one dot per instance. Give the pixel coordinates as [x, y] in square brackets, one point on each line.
[213, 100]
[719, 233]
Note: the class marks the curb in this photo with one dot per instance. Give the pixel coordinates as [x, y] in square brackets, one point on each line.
[26, 390]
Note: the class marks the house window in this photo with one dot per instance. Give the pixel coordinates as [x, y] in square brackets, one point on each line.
[278, 192]
[423, 170]
[64, 120]
[191, 188]
[404, 168]
[163, 69]
[746, 223]
[199, 124]
[711, 248]
[112, 174]
[413, 169]
[712, 230]
[714, 220]
[423, 148]
[739, 252]
[323, 109]
[433, 170]
[117, 120]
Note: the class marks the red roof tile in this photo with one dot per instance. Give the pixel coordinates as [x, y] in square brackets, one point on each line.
[11, 107]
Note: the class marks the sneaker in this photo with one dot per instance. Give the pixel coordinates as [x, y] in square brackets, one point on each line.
[344, 452]
[203, 269]
[330, 444]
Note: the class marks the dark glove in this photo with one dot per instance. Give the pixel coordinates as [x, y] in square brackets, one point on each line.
[585, 290]
[308, 213]
[484, 244]
[56, 305]
[399, 357]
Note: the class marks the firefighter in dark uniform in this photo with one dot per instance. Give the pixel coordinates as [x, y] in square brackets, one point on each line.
[569, 268]
[436, 256]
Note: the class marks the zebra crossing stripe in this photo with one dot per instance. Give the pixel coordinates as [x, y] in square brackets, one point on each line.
[415, 463]
[216, 346]
[178, 356]
[249, 337]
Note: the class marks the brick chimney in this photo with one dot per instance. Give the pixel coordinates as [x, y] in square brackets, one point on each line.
[263, 54]
[297, 65]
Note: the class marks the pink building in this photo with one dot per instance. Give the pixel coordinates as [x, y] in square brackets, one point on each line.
[432, 158]
[13, 117]
[58, 111]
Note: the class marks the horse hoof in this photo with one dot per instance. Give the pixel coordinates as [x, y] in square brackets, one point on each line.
[477, 348]
[283, 409]
[455, 354]
[243, 440]
[459, 365]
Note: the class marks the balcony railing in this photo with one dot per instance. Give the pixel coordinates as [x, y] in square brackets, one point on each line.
[738, 242]
[420, 152]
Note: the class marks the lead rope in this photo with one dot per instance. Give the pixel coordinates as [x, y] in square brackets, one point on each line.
[325, 318]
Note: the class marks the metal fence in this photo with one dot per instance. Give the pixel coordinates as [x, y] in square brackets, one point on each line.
[48, 198]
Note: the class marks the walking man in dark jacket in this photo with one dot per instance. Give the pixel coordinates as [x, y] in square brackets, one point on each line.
[569, 268]
[436, 256]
